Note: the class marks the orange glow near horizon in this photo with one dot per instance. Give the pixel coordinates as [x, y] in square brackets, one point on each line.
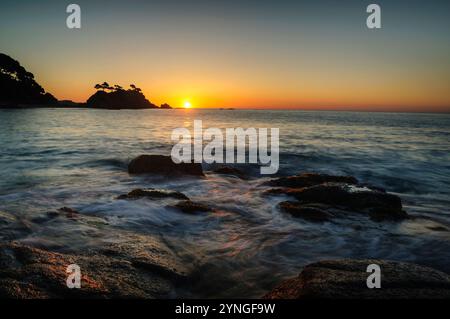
[251, 55]
[319, 91]
[400, 97]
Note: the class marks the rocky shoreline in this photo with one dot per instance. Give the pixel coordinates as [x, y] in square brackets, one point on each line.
[142, 268]
[346, 279]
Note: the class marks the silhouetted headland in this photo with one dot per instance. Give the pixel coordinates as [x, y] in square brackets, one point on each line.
[116, 97]
[20, 90]
[18, 87]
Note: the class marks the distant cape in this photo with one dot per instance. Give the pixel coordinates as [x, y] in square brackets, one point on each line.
[120, 99]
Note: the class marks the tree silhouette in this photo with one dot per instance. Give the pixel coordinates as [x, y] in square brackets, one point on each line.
[105, 86]
[98, 87]
[18, 85]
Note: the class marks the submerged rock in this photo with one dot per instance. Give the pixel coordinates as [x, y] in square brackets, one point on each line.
[346, 279]
[12, 227]
[227, 170]
[310, 179]
[28, 272]
[377, 204]
[6, 218]
[163, 165]
[309, 213]
[153, 193]
[69, 212]
[190, 207]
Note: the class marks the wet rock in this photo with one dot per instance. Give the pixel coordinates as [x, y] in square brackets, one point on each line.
[27, 272]
[379, 205]
[438, 228]
[6, 218]
[150, 256]
[71, 215]
[153, 193]
[69, 212]
[310, 179]
[12, 227]
[163, 165]
[48, 216]
[190, 207]
[227, 170]
[306, 212]
[346, 279]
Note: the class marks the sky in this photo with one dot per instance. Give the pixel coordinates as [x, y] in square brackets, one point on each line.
[250, 54]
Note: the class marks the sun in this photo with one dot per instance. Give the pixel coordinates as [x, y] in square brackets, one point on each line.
[187, 105]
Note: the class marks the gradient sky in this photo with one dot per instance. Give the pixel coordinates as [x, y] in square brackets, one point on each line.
[277, 54]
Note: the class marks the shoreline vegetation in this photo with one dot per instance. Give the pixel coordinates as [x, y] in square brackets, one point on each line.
[143, 268]
[20, 90]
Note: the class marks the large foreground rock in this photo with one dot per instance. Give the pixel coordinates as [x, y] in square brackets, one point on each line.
[143, 271]
[346, 279]
[346, 197]
[378, 204]
[163, 165]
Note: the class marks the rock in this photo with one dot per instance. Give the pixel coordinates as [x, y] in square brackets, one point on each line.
[309, 213]
[6, 218]
[227, 170]
[163, 165]
[190, 207]
[310, 179]
[153, 193]
[12, 227]
[69, 212]
[379, 205]
[64, 211]
[438, 228]
[27, 272]
[346, 279]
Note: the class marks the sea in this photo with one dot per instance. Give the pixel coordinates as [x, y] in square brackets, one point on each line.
[77, 158]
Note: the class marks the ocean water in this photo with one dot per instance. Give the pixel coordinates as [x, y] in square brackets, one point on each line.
[52, 158]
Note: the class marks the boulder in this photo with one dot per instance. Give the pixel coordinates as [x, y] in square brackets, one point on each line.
[306, 212]
[163, 165]
[124, 272]
[377, 204]
[190, 207]
[347, 279]
[153, 193]
[310, 179]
